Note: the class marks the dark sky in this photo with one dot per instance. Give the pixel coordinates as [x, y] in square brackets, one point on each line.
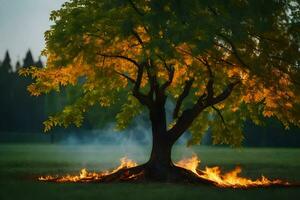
[22, 25]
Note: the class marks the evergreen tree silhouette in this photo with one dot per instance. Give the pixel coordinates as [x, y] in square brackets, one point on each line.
[5, 92]
[6, 64]
[28, 61]
[39, 63]
[18, 65]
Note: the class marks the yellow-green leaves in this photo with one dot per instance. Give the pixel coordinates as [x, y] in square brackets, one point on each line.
[129, 110]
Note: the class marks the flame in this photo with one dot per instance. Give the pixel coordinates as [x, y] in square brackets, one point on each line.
[229, 179]
[189, 163]
[214, 174]
[86, 176]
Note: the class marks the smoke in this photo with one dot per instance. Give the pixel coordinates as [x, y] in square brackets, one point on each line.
[108, 146]
[134, 143]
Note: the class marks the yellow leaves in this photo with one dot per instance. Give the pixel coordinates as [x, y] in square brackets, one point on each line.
[288, 105]
[234, 109]
[271, 102]
[104, 102]
[172, 124]
[142, 34]
[51, 122]
[284, 81]
[188, 60]
[238, 72]
[268, 113]
[277, 97]
[160, 33]
[220, 106]
[51, 78]
[34, 90]
[180, 74]
[26, 71]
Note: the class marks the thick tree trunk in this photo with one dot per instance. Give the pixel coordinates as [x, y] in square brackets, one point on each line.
[160, 165]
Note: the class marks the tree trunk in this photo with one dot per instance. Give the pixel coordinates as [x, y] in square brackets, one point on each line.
[160, 165]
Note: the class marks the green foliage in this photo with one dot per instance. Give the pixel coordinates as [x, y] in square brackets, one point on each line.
[255, 42]
[129, 111]
[199, 128]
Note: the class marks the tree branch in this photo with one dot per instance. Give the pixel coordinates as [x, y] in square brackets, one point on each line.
[187, 117]
[170, 69]
[210, 83]
[219, 113]
[234, 50]
[139, 78]
[183, 95]
[125, 76]
[154, 86]
[169, 81]
[139, 39]
[221, 97]
[136, 89]
[137, 83]
[135, 8]
[121, 57]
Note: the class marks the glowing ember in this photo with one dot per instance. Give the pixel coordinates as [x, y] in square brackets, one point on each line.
[85, 176]
[230, 179]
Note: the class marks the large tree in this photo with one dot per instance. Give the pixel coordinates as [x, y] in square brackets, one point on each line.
[218, 63]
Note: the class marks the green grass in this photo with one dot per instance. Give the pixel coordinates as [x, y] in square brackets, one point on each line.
[21, 164]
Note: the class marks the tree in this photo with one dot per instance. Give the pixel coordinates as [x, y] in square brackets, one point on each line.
[39, 63]
[6, 64]
[18, 66]
[220, 63]
[28, 60]
[6, 93]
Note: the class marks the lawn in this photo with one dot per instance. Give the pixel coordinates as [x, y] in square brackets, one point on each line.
[21, 164]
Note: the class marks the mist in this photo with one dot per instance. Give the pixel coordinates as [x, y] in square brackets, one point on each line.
[105, 147]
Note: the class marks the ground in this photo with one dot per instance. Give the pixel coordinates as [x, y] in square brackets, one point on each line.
[20, 164]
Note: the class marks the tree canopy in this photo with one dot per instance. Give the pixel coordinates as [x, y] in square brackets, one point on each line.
[220, 62]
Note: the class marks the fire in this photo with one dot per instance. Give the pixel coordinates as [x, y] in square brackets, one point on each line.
[230, 179]
[86, 176]
[213, 174]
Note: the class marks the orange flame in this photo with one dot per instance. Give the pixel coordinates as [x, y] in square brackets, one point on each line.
[230, 179]
[213, 174]
[86, 176]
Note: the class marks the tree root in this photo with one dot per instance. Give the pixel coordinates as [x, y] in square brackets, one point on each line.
[144, 173]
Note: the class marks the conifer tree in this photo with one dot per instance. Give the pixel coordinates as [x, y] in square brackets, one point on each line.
[6, 66]
[28, 60]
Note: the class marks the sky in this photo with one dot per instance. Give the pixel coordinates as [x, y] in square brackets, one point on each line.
[22, 26]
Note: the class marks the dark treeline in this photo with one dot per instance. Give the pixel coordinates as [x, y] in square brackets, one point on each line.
[21, 113]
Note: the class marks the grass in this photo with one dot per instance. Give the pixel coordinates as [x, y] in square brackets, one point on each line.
[21, 164]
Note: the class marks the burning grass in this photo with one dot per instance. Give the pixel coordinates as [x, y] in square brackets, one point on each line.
[230, 179]
[86, 176]
[128, 170]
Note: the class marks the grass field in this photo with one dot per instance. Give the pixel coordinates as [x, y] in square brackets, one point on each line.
[21, 164]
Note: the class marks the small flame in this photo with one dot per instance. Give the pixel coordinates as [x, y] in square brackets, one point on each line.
[230, 179]
[86, 176]
[190, 163]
